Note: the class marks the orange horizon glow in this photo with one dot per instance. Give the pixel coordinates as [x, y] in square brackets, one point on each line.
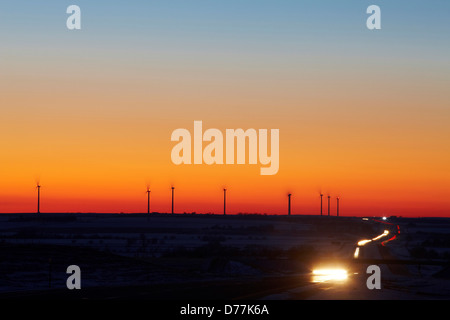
[97, 165]
[118, 200]
[98, 169]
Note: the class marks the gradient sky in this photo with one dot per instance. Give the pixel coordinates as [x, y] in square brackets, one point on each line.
[362, 114]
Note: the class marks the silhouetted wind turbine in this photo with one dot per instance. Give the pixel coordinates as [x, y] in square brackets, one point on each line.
[337, 206]
[321, 203]
[173, 188]
[148, 200]
[329, 205]
[224, 201]
[39, 198]
[289, 204]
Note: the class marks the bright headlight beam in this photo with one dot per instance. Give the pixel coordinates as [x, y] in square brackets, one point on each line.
[385, 233]
[356, 254]
[329, 271]
[366, 241]
[363, 242]
[321, 275]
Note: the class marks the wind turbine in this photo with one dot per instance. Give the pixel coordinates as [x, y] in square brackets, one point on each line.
[224, 201]
[173, 188]
[148, 200]
[289, 204]
[38, 187]
[321, 203]
[337, 206]
[329, 205]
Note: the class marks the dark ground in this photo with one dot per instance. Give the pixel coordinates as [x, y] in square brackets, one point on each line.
[189, 256]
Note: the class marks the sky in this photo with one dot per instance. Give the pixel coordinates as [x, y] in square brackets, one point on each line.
[362, 114]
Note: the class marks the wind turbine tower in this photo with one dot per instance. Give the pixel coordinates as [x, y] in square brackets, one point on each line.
[321, 203]
[337, 206]
[224, 201]
[289, 204]
[39, 198]
[329, 205]
[173, 188]
[148, 200]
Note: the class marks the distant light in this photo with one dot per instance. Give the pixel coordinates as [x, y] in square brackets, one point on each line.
[384, 218]
[365, 219]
